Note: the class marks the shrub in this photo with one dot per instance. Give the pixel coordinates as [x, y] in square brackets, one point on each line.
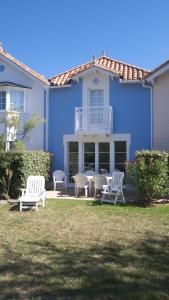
[22, 165]
[149, 174]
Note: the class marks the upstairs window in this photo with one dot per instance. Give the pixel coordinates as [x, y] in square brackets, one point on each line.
[96, 98]
[16, 101]
[2, 100]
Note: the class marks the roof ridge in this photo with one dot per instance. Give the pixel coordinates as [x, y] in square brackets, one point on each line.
[124, 63]
[22, 65]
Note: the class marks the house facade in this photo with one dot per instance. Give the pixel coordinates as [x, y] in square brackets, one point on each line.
[159, 78]
[23, 92]
[99, 115]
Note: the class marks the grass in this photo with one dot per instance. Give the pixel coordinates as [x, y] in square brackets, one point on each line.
[84, 250]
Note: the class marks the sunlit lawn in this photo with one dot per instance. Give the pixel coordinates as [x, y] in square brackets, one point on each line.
[84, 250]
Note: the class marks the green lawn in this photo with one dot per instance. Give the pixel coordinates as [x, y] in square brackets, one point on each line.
[84, 250]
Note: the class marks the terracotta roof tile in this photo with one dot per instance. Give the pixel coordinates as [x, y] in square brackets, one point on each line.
[126, 71]
[24, 67]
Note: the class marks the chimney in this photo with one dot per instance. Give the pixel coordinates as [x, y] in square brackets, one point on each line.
[103, 53]
[94, 59]
[1, 46]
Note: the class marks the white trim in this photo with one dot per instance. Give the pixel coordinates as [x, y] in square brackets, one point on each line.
[60, 86]
[96, 70]
[95, 139]
[130, 81]
[19, 68]
[158, 72]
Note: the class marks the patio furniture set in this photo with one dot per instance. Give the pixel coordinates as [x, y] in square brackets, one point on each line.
[111, 187]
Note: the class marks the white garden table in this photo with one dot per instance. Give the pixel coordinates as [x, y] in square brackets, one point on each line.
[90, 179]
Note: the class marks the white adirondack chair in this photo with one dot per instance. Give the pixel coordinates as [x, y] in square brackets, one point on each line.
[34, 194]
[114, 193]
[59, 177]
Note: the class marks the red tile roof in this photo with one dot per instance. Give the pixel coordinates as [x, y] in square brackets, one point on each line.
[21, 65]
[124, 70]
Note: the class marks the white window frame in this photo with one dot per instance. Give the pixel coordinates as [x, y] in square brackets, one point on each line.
[99, 139]
[8, 90]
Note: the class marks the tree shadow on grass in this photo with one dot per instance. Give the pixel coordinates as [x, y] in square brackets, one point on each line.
[111, 271]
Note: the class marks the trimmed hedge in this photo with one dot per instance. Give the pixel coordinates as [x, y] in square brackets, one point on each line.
[24, 164]
[149, 174]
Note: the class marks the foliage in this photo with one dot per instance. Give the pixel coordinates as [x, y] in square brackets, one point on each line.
[31, 124]
[15, 168]
[149, 174]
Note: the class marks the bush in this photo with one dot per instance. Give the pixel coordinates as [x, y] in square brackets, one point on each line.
[149, 174]
[22, 165]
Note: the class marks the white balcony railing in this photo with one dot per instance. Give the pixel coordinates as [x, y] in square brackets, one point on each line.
[94, 119]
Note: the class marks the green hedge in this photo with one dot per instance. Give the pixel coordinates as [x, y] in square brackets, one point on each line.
[149, 174]
[24, 164]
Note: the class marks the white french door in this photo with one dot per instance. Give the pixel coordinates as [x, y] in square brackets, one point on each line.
[96, 157]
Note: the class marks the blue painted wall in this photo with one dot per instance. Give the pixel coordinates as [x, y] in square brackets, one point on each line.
[131, 114]
[62, 103]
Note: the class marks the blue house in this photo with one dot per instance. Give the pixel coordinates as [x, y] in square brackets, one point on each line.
[99, 114]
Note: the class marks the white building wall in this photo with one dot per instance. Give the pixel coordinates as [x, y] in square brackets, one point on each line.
[161, 112]
[34, 100]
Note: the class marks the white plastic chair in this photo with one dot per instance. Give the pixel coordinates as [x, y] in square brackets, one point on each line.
[99, 182]
[114, 193]
[81, 182]
[59, 177]
[34, 194]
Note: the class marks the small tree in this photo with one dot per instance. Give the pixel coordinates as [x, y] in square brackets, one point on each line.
[11, 124]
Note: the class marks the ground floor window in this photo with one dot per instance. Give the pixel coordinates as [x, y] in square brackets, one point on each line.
[99, 156]
[73, 150]
[120, 155]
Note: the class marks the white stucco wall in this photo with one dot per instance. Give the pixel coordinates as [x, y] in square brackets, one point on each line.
[34, 100]
[161, 112]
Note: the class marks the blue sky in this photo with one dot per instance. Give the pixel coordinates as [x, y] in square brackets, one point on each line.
[51, 36]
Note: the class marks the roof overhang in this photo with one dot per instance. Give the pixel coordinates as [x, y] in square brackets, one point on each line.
[30, 75]
[12, 84]
[94, 70]
[154, 74]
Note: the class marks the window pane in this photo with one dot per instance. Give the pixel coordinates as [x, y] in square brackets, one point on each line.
[104, 158]
[96, 97]
[16, 100]
[104, 168]
[73, 157]
[120, 157]
[2, 100]
[89, 156]
[89, 147]
[120, 167]
[104, 147]
[73, 160]
[120, 146]
[73, 146]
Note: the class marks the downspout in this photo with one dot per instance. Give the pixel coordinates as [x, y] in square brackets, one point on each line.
[151, 112]
[46, 113]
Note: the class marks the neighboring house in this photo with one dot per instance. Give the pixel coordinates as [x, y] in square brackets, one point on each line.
[159, 78]
[99, 115]
[23, 91]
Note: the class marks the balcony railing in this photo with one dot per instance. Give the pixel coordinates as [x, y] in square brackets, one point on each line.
[94, 119]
